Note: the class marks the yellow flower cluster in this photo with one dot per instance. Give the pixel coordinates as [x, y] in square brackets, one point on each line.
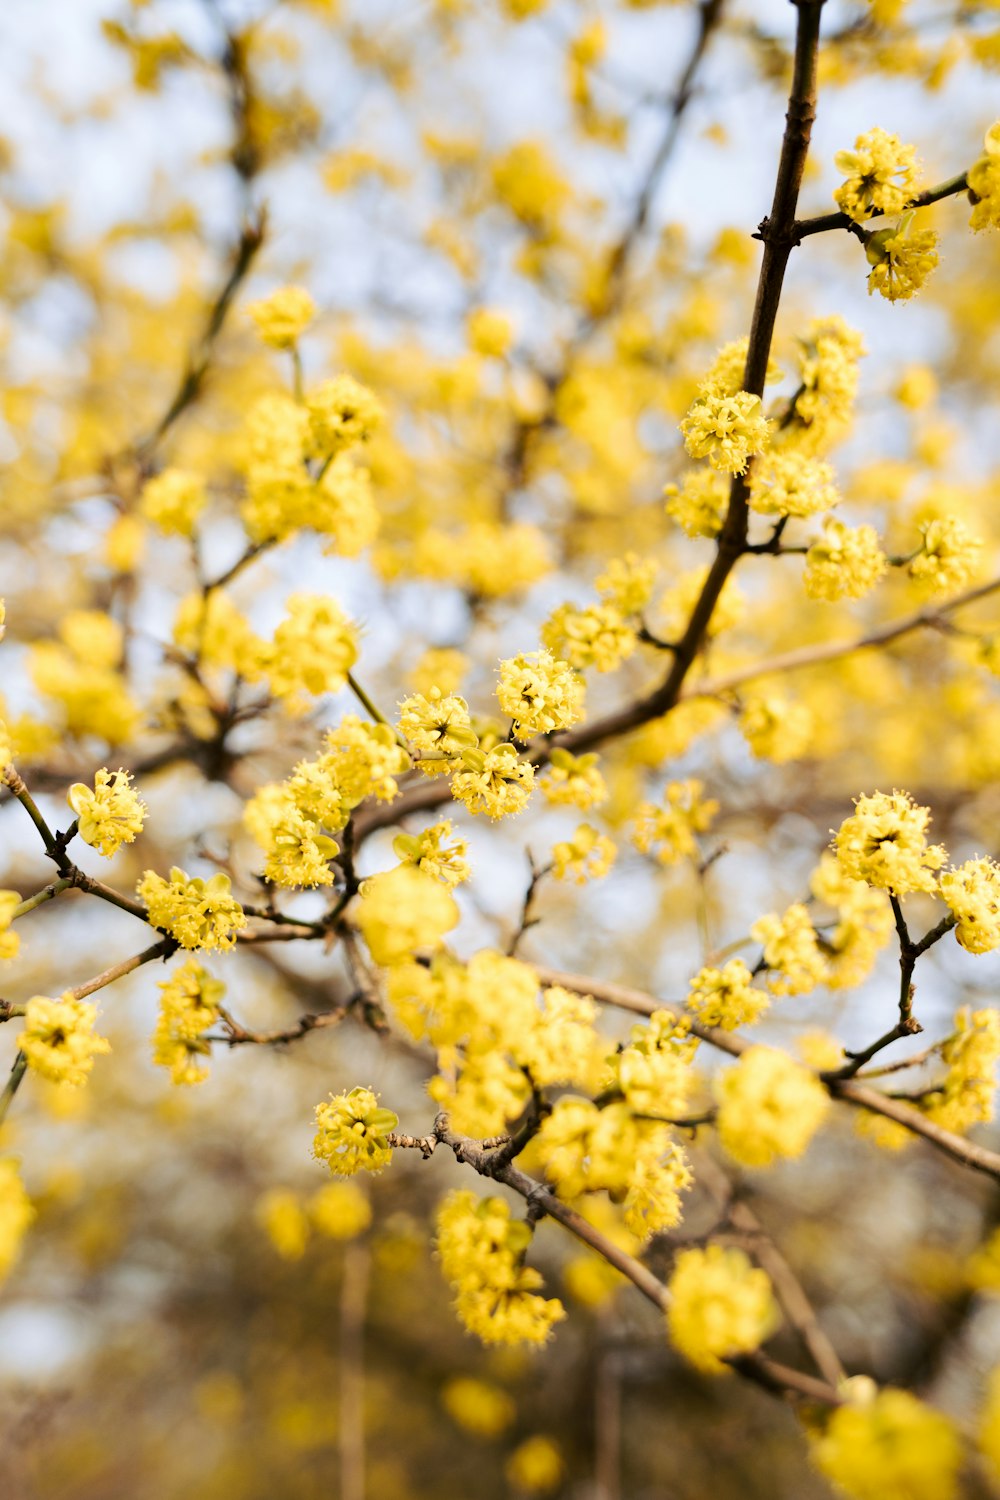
[314, 649]
[768, 1107]
[540, 694]
[948, 555]
[536, 1466]
[342, 413]
[351, 1133]
[864, 923]
[597, 636]
[721, 1306]
[363, 760]
[901, 260]
[966, 1095]
[404, 910]
[727, 997]
[776, 729]
[10, 942]
[699, 503]
[984, 182]
[884, 843]
[586, 856]
[490, 333]
[477, 1406]
[429, 852]
[670, 831]
[198, 913]
[174, 500]
[287, 822]
[216, 634]
[728, 430]
[573, 781]
[81, 672]
[189, 1006]
[58, 1039]
[889, 1443]
[792, 953]
[653, 1071]
[16, 1214]
[843, 562]
[627, 583]
[496, 782]
[109, 815]
[828, 381]
[972, 893]
[881, 175]
[438, 725]
[481, 1249]
[790, 483]
[283, 316]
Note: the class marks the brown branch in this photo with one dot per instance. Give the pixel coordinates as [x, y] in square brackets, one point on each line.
[823, 222]
[237, 1035]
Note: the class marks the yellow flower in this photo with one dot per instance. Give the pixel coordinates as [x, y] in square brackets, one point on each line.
[699, 503]
[342, 412]
[174, 500]
[189, 1006]
[495, 781]
[984, 183]
[843, 562]
[890, 1444]
[351, 1131]
[948, 555]
[776, 729]
[58, 1039]
[884, 843]
[16, 1214]
[573, 781]
[428, 852]
[901, 260]
[478, 1406]
[598, 636]
[10, 942]
[481, 1250]
[966, 1095]
[881, 175]
[669, 831]
[627, 583]
[314, 649]
[283, 1219]
[536, 1466]
[490, 333]
[728, 430]
[110, 815]
[198, 913]
[972, 893]
[790, 483]
[283, 316]
[727, 997]
[340, 1210]
[768, 1107]
[587, 856]
[721, 1306]
[791, 951]
[439, 726]
[540, 694]
[403, 910]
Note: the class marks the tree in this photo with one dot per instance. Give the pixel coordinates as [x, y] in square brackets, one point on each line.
[409, 471]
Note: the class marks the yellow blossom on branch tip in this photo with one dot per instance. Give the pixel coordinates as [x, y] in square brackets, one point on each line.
[111, 814]
[843, 562]
[721, 1306]
[198, 913]
[768, 1107]
[984, 183]
[795, 962]
[429, 852]
[283, 316]
[948, 555]
[573, 781]
[586, 856]
[342, 413]
[540, 694]
[889, 1443]
[438, 725]
[881, 175]
[669, 832]
[901, 260]
[727, 997]
[972, 893]
[58, 1039]
[481, 1249]
[174, 500]
[727, 430]
[699, 503]
[351, 1132]
[884, 843]
[402, 911]
[496, 782]
[189, 1006]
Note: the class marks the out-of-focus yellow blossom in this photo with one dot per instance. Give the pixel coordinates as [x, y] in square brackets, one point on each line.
[725, 374]
[562, 1045]
[727, 997]
[948, 556]
[314, 650]
[790, 483]
[403, 910]
[429, 852]
[58, 1039]
[198, 913]
[864, 923]
[653, 1071]
[298, 852]
[901, 260]
[972, 893]
[536, 1466]
[597, 636]
[843, 562]
[124, 543]
[111, 814]
[439, 726]
[699, 503]
[669, 831]
[727, 430]
[441, 667]
[283, 316]
[82, 674]
[917, 387]
[16, 1215]
[342, 413]
[721, 1306]
[481, 1249]
[540, 694]
[364, 760]
[984, 182]
[573, 781]
[477, 1406]
[586, 856]
[174, 500]
[283, 1219]
[351, 1131]
[792, 953]
[889, 1443]
[828, 378]
[676, 604]
[189, 1006]
[487, 1093]
[769, 1107]
[988, 1435]
[776, 729]
[10, 942]
[660, 1175]
[884, 843]
[881, 175]
[214, 631]
[490, 333]
[967, 1094]
[528, 182]
[496, 782]
[340, 1210]
[982, 1269]
[627, 583]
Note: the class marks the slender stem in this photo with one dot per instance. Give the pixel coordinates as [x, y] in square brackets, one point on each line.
[47, 893]
[162, 949]
[17, 1073]
[245, 558]
[353, 1312]
[15, 782]
[823, 222]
